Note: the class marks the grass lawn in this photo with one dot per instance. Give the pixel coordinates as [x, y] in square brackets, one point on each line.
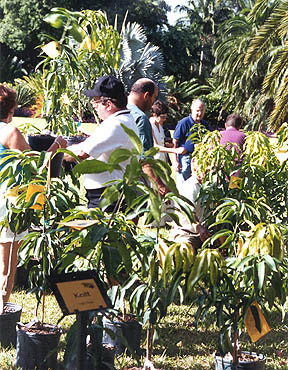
[180, 346]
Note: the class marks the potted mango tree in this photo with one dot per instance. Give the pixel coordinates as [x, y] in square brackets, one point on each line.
[116, 249]
[240, 272]
[37, 208]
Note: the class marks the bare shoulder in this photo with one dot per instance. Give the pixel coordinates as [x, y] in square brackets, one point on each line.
[13, 132]
[6, 132]
[14, 139]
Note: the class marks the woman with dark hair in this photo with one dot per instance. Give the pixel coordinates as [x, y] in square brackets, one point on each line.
[157, 120]
[11, 138]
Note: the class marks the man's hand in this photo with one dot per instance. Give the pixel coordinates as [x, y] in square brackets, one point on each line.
[181, 150]
[162, 188]
[62, 143]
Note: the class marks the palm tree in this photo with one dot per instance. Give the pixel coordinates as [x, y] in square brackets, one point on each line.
[240, 82]
[139, 58]
[271, 41]
[205, 15]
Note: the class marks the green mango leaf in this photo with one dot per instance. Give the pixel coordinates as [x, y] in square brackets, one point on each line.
[124, 252]
[151, 152]
[134, 138]
[76, 32]
[94, 166]
[138, 294]
[270, 262]
[110, 196]
[133, 170]
[66, 151]
[261, 274]
[155, 206]
[97, 232]
[111, 259]
[119, 155]
[55, 20]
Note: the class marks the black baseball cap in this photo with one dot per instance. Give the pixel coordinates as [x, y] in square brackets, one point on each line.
[108, 86]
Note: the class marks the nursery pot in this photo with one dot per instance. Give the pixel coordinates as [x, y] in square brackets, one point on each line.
[108, 354]
[8, 320]
[37, 348]
[43, 142]
[127, 334]
[71, 140]
[226, 364]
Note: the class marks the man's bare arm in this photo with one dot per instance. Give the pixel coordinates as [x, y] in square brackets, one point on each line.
[162, 188]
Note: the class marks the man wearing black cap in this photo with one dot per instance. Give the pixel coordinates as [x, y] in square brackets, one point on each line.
[109, 101]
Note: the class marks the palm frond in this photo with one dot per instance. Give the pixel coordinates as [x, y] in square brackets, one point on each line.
[139, 58]
[279, 113]
[276, 72]
[259, 8]
[269, 32]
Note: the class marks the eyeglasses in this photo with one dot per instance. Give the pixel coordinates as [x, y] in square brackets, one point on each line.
[96, 102]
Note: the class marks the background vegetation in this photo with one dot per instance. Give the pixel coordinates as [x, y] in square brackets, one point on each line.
[233, 52]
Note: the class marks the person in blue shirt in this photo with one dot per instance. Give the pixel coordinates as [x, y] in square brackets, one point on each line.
[181, 138]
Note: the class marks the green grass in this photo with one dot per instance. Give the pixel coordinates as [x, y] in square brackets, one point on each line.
[180, 346]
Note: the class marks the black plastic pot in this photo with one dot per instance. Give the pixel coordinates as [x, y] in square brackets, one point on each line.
[223, 364]
[108, 354]
[43, 142]
[71, 140]
[127, 334]
[8, 322]
[37, 350]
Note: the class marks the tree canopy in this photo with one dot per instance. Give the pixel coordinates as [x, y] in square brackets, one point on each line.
[22, 27]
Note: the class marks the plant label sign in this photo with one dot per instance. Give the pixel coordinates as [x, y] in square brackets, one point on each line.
[256, 323]
[79, 291]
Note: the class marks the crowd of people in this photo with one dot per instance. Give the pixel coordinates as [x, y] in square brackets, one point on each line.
[114, 107]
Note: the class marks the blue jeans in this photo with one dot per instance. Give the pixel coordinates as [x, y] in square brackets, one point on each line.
[185, 168]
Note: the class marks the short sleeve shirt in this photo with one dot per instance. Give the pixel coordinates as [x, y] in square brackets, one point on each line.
[107, 137]
[183, 131]
[144, 127]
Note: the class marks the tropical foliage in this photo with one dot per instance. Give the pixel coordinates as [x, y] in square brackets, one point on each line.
[270, 42]
[82, 54]
[139, 58]
[250, 55]
[244, 261]
[22, 26]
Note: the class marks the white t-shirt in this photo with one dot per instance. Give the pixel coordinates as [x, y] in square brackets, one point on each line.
[159, 139]
[107, 137]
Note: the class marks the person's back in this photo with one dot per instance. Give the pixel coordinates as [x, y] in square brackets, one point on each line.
[141, 98]
[232, 133]
[109, 100]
